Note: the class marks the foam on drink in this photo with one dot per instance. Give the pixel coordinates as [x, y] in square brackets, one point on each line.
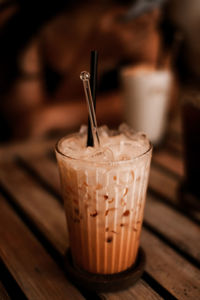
[104, 190]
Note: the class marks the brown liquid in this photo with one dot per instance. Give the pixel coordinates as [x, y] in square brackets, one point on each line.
[104, 215]
[191, 138]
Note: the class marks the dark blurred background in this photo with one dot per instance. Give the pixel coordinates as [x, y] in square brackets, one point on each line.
[46, 44]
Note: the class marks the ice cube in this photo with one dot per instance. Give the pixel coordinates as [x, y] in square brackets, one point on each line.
[83, 129]
[130, 150]
[103, 131]
[128, 132]
[87, 152]
[125, 129]
[121, 149]
[102, 155]
[139, 137]
[71, 146]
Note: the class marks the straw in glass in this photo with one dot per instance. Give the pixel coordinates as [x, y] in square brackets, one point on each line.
[85, 77]
[93, 85]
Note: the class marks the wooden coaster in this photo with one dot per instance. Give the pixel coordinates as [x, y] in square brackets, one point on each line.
[105, 283]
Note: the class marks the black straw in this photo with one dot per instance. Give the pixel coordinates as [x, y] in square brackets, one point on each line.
[93, 85]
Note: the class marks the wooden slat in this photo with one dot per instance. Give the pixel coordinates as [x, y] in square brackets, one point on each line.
[39, 206]
[3, 293]
[45, 168]
[44, 211]
[165, 185]
[37, 274]
[8, 151]
[172, 271]
[140, 291]
[173, 163]
[177, 228]
[174, 124]
[174, 144]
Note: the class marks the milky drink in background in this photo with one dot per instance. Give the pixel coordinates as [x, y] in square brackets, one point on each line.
[146, 92]
[104, 190]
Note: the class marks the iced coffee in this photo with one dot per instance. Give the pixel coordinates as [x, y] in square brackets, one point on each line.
[104, 190]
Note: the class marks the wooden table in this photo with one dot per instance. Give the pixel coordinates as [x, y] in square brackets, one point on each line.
[33, 235]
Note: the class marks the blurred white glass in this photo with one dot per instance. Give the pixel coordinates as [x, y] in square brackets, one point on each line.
[146, 93]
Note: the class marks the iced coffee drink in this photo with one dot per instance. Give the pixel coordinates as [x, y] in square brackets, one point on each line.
[104, 190]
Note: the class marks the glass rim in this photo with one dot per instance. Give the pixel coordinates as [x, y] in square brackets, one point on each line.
[112, 163]
[140, 70]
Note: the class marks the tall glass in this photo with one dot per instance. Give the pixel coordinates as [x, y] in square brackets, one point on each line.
[146, 93]
[104, 205]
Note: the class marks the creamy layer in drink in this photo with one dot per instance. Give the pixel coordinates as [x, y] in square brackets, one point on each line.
[104, 190]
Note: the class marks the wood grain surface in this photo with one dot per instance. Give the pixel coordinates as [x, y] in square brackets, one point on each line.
[37, 274]
[41, 208]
